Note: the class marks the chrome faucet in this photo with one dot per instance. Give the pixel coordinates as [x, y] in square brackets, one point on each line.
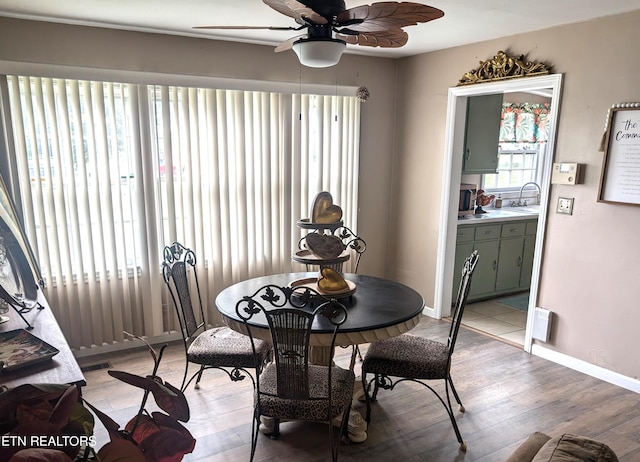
[520, 203]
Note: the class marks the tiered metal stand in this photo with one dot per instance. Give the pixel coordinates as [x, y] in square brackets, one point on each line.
[350, 242]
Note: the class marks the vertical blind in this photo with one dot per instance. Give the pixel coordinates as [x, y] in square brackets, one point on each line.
[110, 173]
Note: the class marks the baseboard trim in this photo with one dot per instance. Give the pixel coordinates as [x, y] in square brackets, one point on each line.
[428, 311]
[586, 368]
[126, 345]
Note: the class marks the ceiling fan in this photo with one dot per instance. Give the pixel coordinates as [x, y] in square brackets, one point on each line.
[330, 26]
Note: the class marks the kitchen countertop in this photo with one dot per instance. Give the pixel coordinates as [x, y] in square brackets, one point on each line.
[530, 212]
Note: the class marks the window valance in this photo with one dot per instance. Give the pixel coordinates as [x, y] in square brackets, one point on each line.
[524, 123]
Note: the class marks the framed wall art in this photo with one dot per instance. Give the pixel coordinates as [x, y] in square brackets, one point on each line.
[620, 175]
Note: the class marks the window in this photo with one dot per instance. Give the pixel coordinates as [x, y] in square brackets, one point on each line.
[111, 172]
[524, 131]
[517, 165]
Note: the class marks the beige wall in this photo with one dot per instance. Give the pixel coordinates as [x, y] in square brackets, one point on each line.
[35, 42]
[589, 274]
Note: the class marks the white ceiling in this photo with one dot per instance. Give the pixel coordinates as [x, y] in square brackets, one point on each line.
[465, 21]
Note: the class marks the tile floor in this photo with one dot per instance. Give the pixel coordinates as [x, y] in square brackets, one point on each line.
[496, 319]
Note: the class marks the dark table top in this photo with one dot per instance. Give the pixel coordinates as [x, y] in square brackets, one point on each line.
[379, 308]
[61, 368]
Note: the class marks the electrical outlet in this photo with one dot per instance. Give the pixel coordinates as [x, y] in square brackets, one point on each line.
[565, 205]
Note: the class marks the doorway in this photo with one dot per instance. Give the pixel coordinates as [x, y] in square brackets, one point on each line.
[514, 181]
[452, 175]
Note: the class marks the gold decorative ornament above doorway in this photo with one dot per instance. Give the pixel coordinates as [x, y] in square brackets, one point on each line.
[502, 67]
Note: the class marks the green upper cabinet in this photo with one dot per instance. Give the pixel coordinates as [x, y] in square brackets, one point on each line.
[482, 134]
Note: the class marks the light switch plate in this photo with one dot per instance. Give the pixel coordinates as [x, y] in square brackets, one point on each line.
[565, 205]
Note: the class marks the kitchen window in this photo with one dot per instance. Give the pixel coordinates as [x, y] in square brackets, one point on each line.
[518, 164]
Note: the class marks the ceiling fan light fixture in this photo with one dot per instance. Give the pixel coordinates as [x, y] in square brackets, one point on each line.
[319, 52]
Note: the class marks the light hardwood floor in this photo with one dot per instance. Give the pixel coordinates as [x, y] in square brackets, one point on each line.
[507, 394]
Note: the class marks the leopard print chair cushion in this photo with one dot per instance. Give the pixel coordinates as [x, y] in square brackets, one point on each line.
[407, 356]
[314, 410]
[224, 347]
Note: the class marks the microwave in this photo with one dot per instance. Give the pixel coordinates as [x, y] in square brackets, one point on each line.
[467, 202]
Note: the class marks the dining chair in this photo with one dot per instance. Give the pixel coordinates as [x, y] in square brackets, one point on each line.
[209, 348]
[290, 388]
[409, 357]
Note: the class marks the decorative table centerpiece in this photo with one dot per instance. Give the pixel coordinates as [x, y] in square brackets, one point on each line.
[327, 245]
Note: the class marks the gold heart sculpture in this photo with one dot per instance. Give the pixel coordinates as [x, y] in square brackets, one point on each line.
[331, 281]
[324, 245]
[324, 210]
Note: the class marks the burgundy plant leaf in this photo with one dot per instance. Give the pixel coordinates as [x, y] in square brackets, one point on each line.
[111, 425]
[120, 451]
[148, 427]
[40, 455]
[145, 426]
[146, 383]
[64, 407]
[166, 445]
[167, 397]
[39, 427]
[28, 391]
[33, 411]
[174, 403]
[29, 402]
[36, 427]
[169, 422]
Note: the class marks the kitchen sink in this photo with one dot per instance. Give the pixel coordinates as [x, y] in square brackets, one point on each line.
[529, 209]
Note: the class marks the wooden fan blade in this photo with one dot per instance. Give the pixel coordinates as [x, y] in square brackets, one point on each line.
[287, 45]
[387, 15]
[393, 38]
[299, 11]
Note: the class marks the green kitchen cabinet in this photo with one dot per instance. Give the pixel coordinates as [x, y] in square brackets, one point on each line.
[482, 134]
[511, 247]
[510, 264]
[484, 276]
[505, 262]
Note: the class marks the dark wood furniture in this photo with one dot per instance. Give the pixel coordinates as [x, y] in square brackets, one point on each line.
[379, 308]
[62, 368]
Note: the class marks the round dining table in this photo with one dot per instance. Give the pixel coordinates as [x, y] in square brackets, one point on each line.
[377, 309]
